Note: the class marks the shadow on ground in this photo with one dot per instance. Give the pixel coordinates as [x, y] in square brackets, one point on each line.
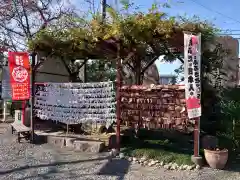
[115, 167]
[48, 165]
[233, 163]
[164, 140]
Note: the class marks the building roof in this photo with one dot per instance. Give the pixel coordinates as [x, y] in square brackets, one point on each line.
[166, 75]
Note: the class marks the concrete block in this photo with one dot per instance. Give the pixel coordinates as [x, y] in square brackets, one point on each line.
[197, 160]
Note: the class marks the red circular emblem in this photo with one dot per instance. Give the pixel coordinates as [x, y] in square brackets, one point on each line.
[19, 74]
[193, 103]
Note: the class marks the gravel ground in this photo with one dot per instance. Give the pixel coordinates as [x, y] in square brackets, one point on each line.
[26, 161]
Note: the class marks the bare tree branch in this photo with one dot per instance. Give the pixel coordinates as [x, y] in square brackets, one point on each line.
[21, 21]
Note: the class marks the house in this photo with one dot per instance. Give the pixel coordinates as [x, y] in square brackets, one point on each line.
[167, 79]
[52, 69]
[151, 76]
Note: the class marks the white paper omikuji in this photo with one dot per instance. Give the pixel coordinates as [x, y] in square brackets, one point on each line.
[76, 102]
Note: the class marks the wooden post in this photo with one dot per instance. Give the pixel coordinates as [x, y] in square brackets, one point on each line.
[118, 96]
[196, 137]
[32, 95]
[23, 111]
[67, 129]
[85, 71]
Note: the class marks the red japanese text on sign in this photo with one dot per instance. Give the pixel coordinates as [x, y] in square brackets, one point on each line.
[19, 75]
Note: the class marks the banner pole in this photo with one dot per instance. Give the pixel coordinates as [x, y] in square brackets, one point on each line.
[192, 72]
[196, 136]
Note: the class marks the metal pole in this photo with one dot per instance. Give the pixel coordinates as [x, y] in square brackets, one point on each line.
[32, 95]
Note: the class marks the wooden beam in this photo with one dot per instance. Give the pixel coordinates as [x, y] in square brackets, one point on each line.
[149, 64]
[170, 52]
[180, 59]
[55, 74]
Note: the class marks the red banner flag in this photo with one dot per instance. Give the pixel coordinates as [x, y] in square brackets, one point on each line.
[192, 73]
[19, 68]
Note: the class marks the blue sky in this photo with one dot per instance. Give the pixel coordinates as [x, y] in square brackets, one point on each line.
[224, 14]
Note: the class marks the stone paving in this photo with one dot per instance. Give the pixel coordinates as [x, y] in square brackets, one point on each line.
[26, 161]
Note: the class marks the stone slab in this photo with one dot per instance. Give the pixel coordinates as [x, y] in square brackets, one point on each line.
[88, 146]
[74, 143]
[57, 141]
[69, 142]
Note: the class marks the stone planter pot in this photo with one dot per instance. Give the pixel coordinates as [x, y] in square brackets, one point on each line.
[216, 159]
